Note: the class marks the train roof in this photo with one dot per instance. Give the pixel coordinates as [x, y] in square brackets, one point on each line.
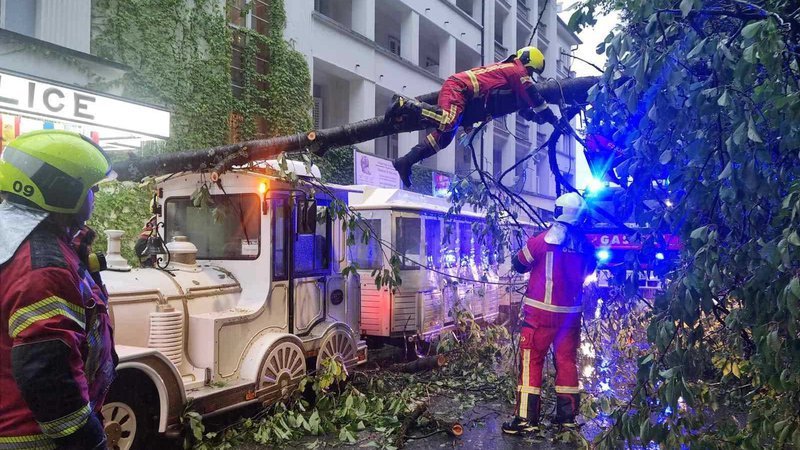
[371, 198]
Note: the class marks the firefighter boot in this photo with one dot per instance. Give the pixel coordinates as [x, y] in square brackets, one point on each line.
[566, 409]
[403, 164]
[529, 424]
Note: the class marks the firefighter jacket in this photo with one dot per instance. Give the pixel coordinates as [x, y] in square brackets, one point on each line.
[486, 80]
[57, 355]
[559, 261]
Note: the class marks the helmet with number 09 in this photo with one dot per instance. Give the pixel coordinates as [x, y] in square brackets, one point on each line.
[53, 169]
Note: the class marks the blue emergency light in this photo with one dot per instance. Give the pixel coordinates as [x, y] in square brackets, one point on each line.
[603, 255]
[660, 256]
[595, 186]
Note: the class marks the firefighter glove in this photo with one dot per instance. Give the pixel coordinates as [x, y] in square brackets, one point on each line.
[546, 116]
[527, 114]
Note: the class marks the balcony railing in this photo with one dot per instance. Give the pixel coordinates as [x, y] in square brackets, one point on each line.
[500, 52]
[523, 12]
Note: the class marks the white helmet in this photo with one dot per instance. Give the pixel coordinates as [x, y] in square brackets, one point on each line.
[572, 206]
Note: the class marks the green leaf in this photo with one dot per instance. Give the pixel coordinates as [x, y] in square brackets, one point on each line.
[665, 157]
[794, 239]
[697, 49]
[724, 99]
[726, 172]
[750, 30]
[749, 54]
[752, 133]
[686, 6]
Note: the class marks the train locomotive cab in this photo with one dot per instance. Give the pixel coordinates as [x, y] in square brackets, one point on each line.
[248, 299]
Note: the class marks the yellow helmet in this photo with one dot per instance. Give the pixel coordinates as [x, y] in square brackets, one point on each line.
[531, 57]
[53, 169]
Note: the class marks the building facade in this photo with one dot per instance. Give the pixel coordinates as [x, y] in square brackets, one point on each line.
[48, 78]
[361, 52]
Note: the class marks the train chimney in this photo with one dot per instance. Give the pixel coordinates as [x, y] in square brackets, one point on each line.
[182, 251]
[114, 259]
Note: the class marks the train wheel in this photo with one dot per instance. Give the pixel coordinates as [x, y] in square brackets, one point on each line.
[281, 371]
[340, 345]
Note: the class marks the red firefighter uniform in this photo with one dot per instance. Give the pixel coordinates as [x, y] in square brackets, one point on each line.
[559, 261]
[479, 82]
[56, 346]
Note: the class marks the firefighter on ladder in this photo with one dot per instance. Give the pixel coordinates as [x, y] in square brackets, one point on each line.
[57, 356]
[481, 82]
[558, 260]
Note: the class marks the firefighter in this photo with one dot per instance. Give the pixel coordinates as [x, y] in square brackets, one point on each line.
[558, 261]
[512, 74]
[57, 356]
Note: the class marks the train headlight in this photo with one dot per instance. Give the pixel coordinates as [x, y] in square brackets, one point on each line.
[603, 255]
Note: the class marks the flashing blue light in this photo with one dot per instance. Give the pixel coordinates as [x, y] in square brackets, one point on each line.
[603, 255]
[595, 185]
[660, 256]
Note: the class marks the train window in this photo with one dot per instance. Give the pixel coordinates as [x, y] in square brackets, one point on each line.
[280, 226]
[465, 242]
[229, 229]
[367, 255]
[433, 243]
[408, 245]
[312, 247]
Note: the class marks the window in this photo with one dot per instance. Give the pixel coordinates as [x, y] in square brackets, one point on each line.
[280, 227]
[367, 255]
[230, 228]
[465, 245]
[409, 233]
[394, 45]
[312, 246]
[433, 243]
[20, 16]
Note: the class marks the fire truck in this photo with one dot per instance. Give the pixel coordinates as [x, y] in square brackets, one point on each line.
[634, 254]
[246, 299]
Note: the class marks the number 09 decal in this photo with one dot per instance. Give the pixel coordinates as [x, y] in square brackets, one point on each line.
[25, 189]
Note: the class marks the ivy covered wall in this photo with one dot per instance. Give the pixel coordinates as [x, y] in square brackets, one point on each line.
[179, 52]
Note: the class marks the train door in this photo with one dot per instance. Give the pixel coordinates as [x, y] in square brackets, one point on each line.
[302, 259]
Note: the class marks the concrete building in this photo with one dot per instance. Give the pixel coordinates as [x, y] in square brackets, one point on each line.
[48, 78]
[362, 51]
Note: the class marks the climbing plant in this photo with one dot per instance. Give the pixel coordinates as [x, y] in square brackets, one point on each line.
[179, 54]
[703, 99]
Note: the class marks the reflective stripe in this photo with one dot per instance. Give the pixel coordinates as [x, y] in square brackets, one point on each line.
[476, 89]
[433, 143]
[548, 282]
[36, 441]
[41, 310]
[552, 308]
[525, 80]
[529, 390]
[68, 424]
[526, 373]
[433, 115]
[540, 108]
[567, 390]
[526, 252]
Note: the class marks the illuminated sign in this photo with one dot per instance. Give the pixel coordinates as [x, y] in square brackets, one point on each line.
[39, 99]
[374, 171]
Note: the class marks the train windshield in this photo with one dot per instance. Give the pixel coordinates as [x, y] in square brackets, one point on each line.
[229, 227]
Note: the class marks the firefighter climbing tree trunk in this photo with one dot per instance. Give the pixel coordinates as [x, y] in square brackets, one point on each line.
[569, 91]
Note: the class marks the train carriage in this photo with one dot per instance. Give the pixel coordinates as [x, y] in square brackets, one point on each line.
[443, 265]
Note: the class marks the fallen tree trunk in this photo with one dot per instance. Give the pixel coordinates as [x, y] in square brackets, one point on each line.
[569, 91]
[408, 423]
[421, 365]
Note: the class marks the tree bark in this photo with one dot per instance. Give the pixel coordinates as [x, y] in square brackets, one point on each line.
[567, 91]
[422, 364]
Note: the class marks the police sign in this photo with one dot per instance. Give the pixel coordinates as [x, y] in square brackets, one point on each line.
[40, 99]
